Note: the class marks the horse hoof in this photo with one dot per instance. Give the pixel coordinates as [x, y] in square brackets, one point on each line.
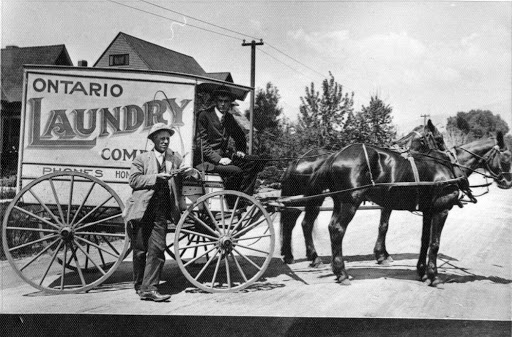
[384, 263]
[390, 259]
[427, 282]
[345, 282]
[288, 260]
[435, 282]
[423, 278]
[317, 263]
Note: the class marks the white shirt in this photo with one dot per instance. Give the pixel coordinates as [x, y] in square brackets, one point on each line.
[160, 157]
[219, 114]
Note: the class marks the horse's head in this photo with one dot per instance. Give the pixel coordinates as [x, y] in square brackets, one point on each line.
[423, 138]
[499, 162]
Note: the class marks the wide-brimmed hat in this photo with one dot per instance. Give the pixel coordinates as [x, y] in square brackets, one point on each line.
[223, 91]
[158, 127]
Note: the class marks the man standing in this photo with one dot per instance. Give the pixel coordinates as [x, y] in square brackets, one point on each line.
[215, 126]
[152, 203]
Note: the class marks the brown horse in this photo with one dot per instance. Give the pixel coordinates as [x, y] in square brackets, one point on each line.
[361, 172]
[296, 179]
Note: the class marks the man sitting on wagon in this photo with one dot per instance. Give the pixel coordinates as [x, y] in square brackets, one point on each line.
[152, 203]
[215, 126]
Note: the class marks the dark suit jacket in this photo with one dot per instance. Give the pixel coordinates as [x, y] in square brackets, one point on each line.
[213, 138]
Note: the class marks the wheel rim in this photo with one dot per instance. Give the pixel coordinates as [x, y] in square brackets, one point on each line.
[225, 251]
[64, 233]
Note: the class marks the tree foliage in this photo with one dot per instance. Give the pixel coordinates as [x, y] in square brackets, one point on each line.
[323, 115]
[373, 124]
[475, 124]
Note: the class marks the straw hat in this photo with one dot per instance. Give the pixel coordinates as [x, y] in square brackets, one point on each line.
[158, 127]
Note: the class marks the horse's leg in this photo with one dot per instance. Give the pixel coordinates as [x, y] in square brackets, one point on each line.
[380, 251]
[311, 213]
[438, 221]
[342, 214]
[288, 219]
[421, 267]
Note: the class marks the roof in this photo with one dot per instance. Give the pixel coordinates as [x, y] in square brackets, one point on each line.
[159, 58]
[226, 76]
[13, 59]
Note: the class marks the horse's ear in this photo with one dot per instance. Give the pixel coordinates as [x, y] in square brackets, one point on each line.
[431, 126]
[500, 140]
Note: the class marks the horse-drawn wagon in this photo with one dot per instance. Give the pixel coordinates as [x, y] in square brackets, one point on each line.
[81, 128]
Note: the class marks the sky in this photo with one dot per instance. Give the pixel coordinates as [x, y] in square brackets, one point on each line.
[431, 58]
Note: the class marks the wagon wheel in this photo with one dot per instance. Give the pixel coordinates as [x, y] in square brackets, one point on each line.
[225, 250]
[63, 233]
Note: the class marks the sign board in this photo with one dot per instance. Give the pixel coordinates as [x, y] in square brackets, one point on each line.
[96, 121]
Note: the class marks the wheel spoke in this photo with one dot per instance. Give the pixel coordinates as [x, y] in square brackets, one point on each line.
[195, 218]
[253, 249]
[51, 262]
[112, 246]
[198, 245]
[246, 258]
[222, 199]
[206, 266]
[72, 183]
[57, 202]
[78, 267]
[96, 222]
[99, 251]
[248, 228]
[83, 203]
[199, 234]
[95, 245]
[45, 207]
[189, 241]
[212, 217]
[101, 234]
[63, 267]
[89, 258]
[33, 229]
[238, 266]
[228, 276]
[93, 210]
[38, 255]
[198, 257]
[44, 238]
[216, 270]
[254, 237]
[36, 216]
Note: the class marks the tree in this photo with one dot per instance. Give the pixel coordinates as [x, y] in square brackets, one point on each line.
[322, 117]
[475, 124]
[266, 117]
[373, 124]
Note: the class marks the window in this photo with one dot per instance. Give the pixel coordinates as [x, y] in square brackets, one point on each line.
[119, 60]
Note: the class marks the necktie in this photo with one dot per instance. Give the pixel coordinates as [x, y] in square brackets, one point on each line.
[162, 165]
[222, 119]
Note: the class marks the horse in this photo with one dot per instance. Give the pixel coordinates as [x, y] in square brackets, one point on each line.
[362, 172]
[296, 179]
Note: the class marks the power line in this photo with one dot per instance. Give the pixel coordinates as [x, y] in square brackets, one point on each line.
[164, 17]
[278, 60]
[193, 18]
[233, 31]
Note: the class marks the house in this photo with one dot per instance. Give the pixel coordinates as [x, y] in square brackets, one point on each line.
[13, 59]
[127, 51]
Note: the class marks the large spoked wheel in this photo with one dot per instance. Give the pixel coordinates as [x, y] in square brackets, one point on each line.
[64, 233]
[226, 249]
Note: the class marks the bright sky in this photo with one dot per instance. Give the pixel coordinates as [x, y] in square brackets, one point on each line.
[434, 58]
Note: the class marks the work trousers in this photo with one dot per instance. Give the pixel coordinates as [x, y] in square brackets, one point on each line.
[148, 244]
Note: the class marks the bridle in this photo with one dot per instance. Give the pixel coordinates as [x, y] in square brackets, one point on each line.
[485, 161]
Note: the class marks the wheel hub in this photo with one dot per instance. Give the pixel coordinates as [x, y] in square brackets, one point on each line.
[226, 244]
[66, 233]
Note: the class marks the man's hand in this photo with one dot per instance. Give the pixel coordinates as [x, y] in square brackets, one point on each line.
[240, 154]
[225, 161]
[164, 176]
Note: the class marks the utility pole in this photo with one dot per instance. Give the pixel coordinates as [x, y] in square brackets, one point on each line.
[424, 119]
[253, 45]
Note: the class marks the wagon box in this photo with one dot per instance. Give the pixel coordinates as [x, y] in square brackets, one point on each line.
[81, 129]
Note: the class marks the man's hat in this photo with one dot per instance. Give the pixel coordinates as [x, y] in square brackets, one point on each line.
[158, 127]
[223, 91]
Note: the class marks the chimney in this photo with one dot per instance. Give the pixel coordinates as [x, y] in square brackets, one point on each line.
[82, 63]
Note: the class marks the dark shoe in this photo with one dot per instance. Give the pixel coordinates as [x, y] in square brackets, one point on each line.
[153, 296]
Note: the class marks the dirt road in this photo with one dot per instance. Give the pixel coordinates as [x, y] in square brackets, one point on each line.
[475, 266]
